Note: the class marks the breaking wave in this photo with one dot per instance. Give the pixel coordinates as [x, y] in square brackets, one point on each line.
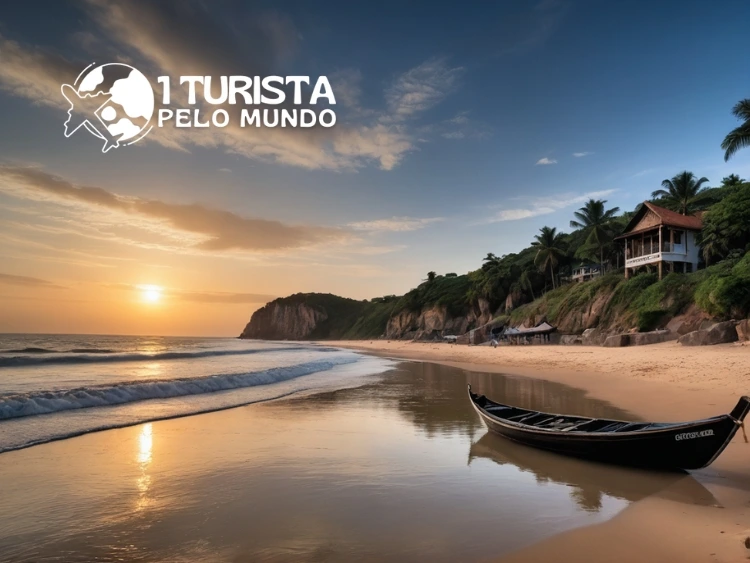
[93, 355]
[45, 402]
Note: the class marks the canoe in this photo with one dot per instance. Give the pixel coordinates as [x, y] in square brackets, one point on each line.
[654, 445]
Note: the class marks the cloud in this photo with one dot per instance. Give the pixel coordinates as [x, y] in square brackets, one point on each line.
[187, 38]
[421, 88]
[219, 297]
[35, 74]
[582, 154]
[225, 170]
[26, 281]
[544, 206]
[215, 229]
[394, 224]
[461, 127]
[545, 161]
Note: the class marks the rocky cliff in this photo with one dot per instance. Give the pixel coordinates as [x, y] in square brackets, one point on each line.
[281, 321]
[319, 316]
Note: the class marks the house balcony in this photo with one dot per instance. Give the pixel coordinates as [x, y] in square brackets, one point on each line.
[653, 253]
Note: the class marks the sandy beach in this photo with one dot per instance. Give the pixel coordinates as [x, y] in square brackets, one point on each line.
[660, 382]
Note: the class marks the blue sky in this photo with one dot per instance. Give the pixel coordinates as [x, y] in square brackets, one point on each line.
[463, 128]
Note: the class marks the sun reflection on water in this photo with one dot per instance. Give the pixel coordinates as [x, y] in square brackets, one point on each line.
[145, 447]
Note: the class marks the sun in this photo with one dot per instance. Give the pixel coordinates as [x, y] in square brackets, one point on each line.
[150, 293]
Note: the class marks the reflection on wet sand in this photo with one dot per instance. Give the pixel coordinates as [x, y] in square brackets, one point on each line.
[369, 474]
[145, 447]
[590, 481]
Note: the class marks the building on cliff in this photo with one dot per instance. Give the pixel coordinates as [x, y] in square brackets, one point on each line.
[662, 238]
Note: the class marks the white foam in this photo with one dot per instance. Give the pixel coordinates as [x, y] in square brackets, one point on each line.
[45, 402]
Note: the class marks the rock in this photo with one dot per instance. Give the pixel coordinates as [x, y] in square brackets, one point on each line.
[653, 337]
[570, 339]
[617, 341]
[743, 330]
[593, 337]
[278, 321]
[689, 321]
[720, 333]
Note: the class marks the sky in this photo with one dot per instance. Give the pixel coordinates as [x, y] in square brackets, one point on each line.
[462, 128]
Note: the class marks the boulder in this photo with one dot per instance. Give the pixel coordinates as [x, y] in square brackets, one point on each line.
[570, 339]
[720, 333]
[593, 337]
[617, 341]
[653, 337]
[689, 321]
[743, 330]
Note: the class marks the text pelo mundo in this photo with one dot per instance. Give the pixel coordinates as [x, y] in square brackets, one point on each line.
[249, 91]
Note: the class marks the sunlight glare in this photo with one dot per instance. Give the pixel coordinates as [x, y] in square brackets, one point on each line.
[150, 293]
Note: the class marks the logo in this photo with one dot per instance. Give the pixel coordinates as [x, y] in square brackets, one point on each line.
[113, 101]
[691, 435]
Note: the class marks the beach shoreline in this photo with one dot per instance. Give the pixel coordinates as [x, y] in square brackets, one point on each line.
[659, 382]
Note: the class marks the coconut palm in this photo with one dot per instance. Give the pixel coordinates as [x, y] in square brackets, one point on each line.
[597, 221]
[739, 137]
[683, 193]
[731, 181]
[550, 247]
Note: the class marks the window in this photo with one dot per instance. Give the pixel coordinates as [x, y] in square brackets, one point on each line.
[677, 237]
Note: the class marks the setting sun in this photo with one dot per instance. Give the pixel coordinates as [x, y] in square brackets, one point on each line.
[150, 293]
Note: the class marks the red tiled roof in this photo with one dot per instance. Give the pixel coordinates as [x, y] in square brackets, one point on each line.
[667, 218]
[674, 219]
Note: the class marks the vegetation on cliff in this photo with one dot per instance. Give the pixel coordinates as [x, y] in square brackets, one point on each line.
[529, 285]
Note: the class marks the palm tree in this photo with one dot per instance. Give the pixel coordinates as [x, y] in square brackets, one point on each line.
[550, 248]
[431, 277]
[593, 218]
[739, 137]
[731, 181]
[682, 193]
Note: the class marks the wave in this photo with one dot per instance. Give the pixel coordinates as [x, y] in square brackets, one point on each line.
[29, 350]
[46, 402]
[100, 356]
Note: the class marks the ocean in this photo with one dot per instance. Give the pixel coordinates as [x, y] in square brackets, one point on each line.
[58, 386]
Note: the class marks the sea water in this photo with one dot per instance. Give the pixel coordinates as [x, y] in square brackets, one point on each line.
[58, 386]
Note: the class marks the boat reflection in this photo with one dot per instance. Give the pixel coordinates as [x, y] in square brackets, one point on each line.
[589, 481]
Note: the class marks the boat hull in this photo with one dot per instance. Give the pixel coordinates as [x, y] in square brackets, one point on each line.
[686, 446]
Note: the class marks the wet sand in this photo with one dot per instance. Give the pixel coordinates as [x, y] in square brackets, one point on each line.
[662, 382]
[398, 470]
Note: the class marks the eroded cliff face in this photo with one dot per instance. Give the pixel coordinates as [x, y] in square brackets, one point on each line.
[279, 321]
[435, 322]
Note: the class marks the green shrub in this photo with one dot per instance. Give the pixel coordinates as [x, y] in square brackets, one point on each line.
[650, 319]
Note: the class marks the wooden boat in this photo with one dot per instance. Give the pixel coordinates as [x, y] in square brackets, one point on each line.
[657, 445]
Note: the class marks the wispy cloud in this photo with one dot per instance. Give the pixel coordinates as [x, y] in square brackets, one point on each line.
[184, 38]
[582, 154]
[394, 224]
[26, 281]
[213, 229]
[421, 88]
[225, 170]
[544, 206]
[545, 161]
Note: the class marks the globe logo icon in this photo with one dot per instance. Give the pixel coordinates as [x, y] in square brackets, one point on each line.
[113, 101]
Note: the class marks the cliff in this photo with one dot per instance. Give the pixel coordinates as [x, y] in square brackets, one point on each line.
[450, 305]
